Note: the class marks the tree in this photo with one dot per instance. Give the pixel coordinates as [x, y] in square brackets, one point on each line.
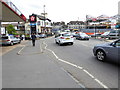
[11, 30]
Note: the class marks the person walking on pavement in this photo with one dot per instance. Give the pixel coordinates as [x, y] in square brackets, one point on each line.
[33, 37]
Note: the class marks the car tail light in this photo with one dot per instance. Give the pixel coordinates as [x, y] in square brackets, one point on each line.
[7, 40]
[62, 38]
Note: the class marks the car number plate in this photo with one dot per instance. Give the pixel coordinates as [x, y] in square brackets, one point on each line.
[67, 38]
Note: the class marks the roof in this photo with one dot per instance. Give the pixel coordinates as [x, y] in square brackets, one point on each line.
[75, 22]
[43, 18]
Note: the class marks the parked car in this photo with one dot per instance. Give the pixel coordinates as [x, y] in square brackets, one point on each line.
[95, 35]
[105, 34]
[108, 51]
[115, 34]
[9, 40]
[42, 36]
[64, 37]
[74, 34]
[37, 36]
[82, 36]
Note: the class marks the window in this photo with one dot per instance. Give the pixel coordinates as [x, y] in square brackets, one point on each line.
[118, 43]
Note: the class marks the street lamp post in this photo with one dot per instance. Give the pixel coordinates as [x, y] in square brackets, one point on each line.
[94, 20]
[95, 31]
[44, 20]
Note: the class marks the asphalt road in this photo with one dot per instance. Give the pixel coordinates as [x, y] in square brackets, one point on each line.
[48, 65]
[80, 54]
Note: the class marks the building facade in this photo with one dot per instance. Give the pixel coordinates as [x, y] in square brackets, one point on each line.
[39, 24]
[58, 26]
[76, 25]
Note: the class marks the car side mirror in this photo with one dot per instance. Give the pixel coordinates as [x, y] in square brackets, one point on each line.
[113, 44]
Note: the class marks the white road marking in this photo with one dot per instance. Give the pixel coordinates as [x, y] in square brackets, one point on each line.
[41, 49]
[82, 86]
[21, 50]
[79, 67]
[100, 83]
[89, 73]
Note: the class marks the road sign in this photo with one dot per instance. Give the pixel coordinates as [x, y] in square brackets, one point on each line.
[32, 24]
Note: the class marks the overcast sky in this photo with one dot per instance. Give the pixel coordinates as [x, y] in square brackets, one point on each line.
[68, 10]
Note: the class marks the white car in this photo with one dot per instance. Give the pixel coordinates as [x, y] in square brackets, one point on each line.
[63, 38]
[105, 34]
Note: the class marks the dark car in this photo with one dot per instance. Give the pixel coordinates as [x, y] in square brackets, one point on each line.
[107, 51]
[82, 36]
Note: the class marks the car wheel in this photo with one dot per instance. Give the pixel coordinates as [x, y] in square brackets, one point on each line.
[56, 42]
[71, 43]
[60, 44]
[100, 55]
[19, 42]
[11, 43]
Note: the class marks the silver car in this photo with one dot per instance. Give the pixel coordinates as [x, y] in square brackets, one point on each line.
[82, 36]
[114, 34]
[9, 40]
[108, 51]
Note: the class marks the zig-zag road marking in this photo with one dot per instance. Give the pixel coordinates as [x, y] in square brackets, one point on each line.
[79, 67]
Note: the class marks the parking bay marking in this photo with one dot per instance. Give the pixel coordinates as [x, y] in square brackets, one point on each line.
[74, 65]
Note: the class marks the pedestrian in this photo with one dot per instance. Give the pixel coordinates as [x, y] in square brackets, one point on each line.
[23, 37]
[33, 37]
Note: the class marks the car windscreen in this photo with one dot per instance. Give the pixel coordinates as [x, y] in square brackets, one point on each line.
[113, 31]
[5, 37]
[66, 35]
[105, 33]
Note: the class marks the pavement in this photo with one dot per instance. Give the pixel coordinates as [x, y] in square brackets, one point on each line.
[6, 49]
[27, 67]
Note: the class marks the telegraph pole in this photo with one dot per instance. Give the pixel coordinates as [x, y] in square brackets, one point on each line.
[44, 20]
